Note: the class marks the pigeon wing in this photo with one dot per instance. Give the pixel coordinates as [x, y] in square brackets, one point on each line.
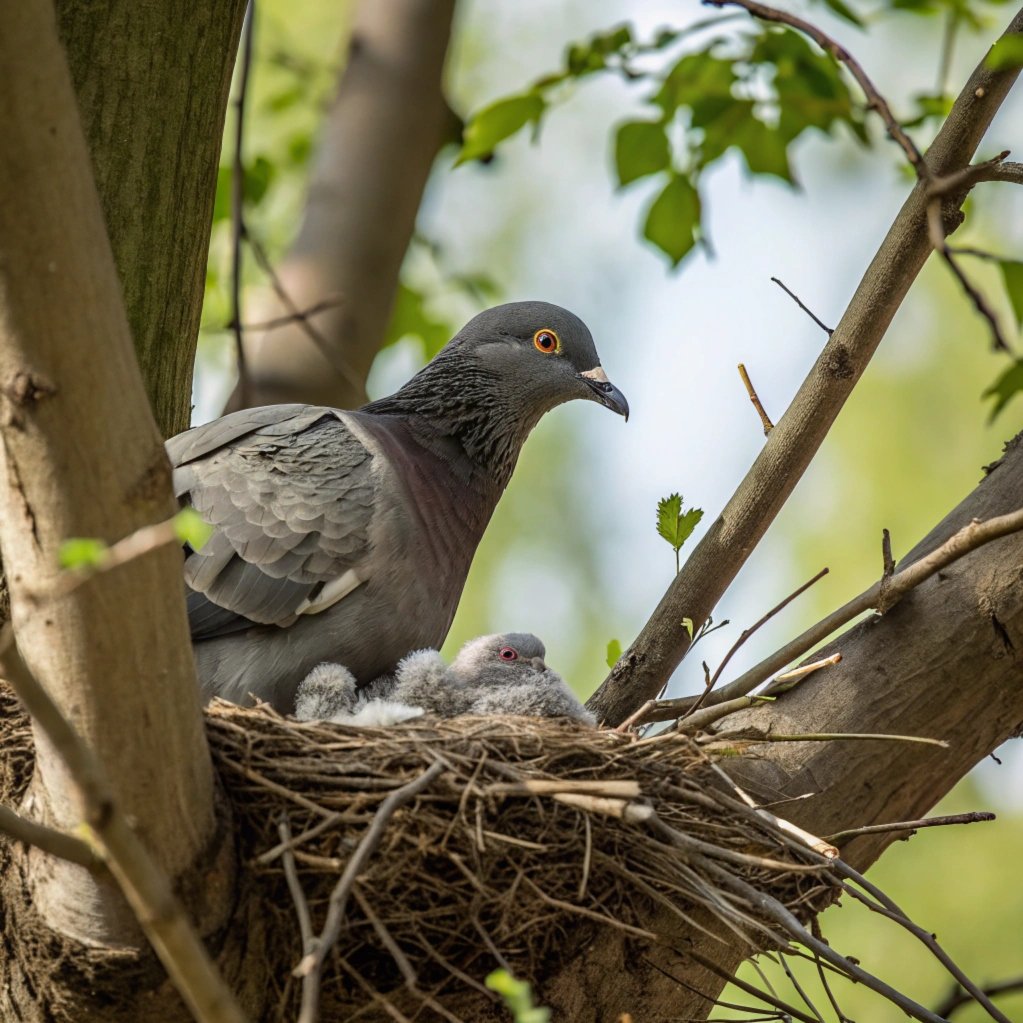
[290, 493]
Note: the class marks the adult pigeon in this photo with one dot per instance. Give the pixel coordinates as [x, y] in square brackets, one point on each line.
[500, 674]
[347, 536]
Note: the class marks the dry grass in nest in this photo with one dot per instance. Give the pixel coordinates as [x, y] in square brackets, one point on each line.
[534, 836]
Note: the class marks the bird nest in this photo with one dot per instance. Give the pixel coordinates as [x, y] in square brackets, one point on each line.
[510, 842]
[395, 868]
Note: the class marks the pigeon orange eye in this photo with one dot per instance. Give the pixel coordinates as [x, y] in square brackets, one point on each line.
[508, 654]
[546, 341]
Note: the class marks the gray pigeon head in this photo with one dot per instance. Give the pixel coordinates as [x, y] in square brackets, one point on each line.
[542, 352]
[503, 658]
[492, 382]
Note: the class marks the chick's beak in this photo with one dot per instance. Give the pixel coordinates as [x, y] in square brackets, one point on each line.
[604, 391]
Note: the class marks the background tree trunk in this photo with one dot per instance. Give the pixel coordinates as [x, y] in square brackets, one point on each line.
[379, 141]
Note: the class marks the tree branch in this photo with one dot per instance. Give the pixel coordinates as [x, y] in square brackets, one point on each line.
[380, 139]
[145, 886]
[56, 843]
[648, 664]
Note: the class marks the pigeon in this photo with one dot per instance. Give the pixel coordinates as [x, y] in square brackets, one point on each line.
[346, 537]
[499, 674]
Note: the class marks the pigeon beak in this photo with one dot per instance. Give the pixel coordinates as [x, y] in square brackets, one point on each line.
[604, 391]
[538, 663]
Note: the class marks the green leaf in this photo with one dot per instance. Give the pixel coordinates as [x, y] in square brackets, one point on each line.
[518, 997]
[687, 624]
[1005, 387]
[191, 528]
[259, 175]
[674, 524]
[1006, 53]
[844, 11]
[1012, 275]
[82, 552]
[700, 81]
[641, 148]
[673, 221]
[614, 652]
[411, 318]
[497, 122]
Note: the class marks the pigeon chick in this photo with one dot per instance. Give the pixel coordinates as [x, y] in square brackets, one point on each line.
[347, 536]
[499, 674]
[508, 675]
[329, 693]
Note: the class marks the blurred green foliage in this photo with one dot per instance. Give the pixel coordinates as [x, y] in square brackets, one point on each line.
[518, 997]
[675, 524]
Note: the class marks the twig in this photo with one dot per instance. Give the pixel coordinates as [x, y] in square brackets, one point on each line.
[305, 923]
[145, 886]
[330, 352]
[958, 997]
[887, 907]
[875, 101]
[298, 316]
[239, 230]
[974, 817]
[746, 633]
[799, 302]
[1008, 171]
[774, 910]
[963, 180]
[755, 735]
[940, 245]
[765, 419]
[50, 840]
[967, 539]
[134, 545]
[796, 674]
[312, 963]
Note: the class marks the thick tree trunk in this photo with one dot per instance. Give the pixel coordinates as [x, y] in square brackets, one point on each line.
[81, 456]
[379, 141]
[152, 82]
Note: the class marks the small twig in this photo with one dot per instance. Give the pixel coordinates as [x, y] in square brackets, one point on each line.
[796, 674]
[958, 997]
[134, 545]
[305, 923]
[50, 840]
[756, 735]
[875, 101]
[144, 884]
[964, 179]
[1008, 171]
[330, 352]
[969, 538]
[887, 907]
[239, 230]
[746, 633]
[799, 302]
[974, 817]
[938, 242]
[765, 419]
[298, 316]
[312, 963]
[818, 845]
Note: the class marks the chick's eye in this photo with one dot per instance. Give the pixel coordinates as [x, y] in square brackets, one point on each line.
[508, 654]
[546, 341]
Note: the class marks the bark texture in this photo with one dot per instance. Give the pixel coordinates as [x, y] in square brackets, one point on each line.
[81, 456]
[152, 81]
[379, 141]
